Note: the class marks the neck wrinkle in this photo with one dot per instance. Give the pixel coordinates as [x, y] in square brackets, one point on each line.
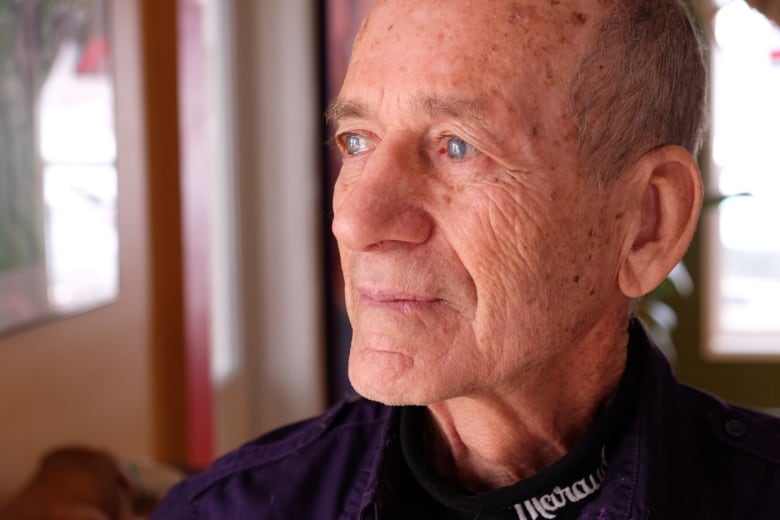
[492, 441]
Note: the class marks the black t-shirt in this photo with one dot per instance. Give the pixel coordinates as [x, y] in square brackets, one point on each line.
[559, 491]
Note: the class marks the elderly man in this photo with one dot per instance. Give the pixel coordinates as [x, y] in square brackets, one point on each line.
[514, 174]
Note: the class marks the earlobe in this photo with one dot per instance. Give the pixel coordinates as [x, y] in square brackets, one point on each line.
[667, 214]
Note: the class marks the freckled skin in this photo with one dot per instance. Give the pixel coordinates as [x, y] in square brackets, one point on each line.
[485, 286]
[503, 241]
[578, 18]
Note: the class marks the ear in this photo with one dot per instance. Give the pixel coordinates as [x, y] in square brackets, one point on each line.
[669, 201]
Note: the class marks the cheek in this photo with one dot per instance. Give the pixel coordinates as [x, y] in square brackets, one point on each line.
[504, 237]
[532, 253]
[500, 241]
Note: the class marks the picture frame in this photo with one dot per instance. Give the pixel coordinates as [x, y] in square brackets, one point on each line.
[58, 230]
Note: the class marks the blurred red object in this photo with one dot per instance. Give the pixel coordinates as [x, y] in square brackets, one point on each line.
[95, 57]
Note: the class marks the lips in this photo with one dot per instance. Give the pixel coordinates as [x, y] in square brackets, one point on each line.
[397, 300]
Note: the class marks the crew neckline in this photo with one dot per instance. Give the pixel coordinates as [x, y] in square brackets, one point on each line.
[558, 491]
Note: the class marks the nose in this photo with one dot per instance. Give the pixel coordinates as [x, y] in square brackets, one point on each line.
[383, 204]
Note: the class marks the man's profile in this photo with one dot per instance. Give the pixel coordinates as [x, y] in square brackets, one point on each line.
[515, 174]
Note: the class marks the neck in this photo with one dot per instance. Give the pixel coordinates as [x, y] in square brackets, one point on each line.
[496, 438]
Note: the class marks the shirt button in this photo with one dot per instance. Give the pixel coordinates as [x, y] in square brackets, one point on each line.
[735, 428]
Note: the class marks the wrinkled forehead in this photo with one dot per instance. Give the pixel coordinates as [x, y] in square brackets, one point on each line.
[544, 38]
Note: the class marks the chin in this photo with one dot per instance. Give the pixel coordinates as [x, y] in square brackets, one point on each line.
[386, 398]
[378, 388]
[393, 389]
[385, 386]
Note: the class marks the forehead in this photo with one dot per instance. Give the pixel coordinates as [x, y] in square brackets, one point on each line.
[495, 36]
[489, 51]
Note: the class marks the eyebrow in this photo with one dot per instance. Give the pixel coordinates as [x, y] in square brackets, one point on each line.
[456, 108]
[464, 109]
[340, 109]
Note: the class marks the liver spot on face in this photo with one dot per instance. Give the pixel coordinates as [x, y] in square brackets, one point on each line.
[578, 18]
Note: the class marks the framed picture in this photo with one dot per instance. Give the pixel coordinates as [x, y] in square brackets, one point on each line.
[58, 232]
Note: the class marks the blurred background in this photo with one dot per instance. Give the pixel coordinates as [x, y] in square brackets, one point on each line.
[169, 287]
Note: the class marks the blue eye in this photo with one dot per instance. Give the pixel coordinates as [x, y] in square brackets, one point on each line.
[458, 149]
[354, 144]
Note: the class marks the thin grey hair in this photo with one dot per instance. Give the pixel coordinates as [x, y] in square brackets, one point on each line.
[641, 84]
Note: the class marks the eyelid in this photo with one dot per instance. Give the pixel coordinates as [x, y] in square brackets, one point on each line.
[471, 147]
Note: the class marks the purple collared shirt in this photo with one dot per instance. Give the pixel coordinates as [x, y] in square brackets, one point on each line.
[682, 454]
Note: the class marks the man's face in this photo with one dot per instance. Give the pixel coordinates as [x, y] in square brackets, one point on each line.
[476, 256]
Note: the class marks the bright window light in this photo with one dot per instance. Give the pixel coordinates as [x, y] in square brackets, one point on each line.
[743, 249]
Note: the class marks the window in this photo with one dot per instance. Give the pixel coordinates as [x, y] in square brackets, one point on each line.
[58, 181]
[742, 253]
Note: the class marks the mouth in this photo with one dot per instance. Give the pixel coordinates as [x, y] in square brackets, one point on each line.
[399, 301]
